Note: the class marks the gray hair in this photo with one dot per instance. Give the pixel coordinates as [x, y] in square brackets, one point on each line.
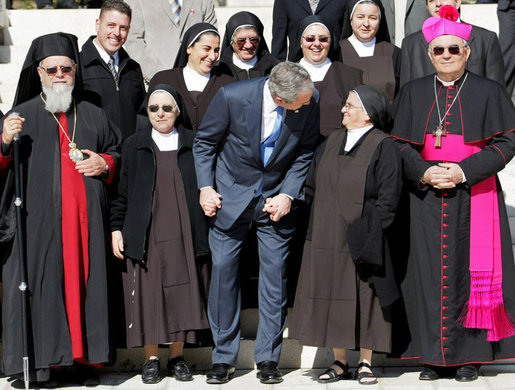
[288, 80]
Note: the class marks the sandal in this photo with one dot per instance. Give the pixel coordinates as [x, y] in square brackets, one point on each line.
[333, 376]
[361, 376]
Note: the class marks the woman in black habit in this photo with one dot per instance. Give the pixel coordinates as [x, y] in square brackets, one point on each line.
[159, 229]
[195, 74]
[244, 50]
[365, 45]
[355, 180]
[333, 80]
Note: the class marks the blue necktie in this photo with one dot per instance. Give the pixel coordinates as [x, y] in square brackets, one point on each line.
[267, 147]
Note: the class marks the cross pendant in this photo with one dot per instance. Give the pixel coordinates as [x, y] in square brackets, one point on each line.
[438, 133]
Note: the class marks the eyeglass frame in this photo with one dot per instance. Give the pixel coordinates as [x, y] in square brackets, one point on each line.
[451, 49]
[165, 107]
[63, 68]
[314, 38]
[240, 42]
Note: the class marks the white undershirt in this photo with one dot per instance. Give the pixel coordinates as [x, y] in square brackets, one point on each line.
[194, 80]
[106, 57]
[268, 113]
[354, 135]
[316, 72]
[246, 65]
[364, 49]
[166, 142]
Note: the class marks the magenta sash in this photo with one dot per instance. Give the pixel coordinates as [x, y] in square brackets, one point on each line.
[485, 308]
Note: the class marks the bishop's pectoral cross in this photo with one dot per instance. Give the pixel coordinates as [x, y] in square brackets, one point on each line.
[439, 133]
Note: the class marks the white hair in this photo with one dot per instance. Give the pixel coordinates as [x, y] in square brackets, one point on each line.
[58, 97]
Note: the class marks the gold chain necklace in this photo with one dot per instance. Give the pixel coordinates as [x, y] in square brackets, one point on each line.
[75, 154]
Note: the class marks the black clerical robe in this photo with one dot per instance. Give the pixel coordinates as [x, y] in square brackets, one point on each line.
[44, 204]
[436, 282]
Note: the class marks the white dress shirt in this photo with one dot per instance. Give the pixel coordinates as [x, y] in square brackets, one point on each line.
[268, 113]
[106, 57]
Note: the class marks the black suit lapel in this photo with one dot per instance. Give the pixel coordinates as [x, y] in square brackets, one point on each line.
[321, 5]
[305, 4]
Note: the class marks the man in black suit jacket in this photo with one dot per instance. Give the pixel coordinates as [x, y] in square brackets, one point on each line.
[252, 152]
[286, 17]
[119, 93]
[506, 15]
[485, 58]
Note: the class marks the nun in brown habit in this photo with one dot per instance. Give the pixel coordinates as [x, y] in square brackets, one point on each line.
[346, 284]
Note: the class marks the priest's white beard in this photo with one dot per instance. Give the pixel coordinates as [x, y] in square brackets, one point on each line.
[58, 97]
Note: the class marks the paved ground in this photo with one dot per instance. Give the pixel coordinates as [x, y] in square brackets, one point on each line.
[498, 377]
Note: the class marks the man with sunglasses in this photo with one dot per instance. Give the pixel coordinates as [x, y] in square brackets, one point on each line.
[485, 55]
[112, 80]
[456, 131]
[68, 153]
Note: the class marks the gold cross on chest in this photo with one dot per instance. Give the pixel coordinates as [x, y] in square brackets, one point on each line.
[439, 133]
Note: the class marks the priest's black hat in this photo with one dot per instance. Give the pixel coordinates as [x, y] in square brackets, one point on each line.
[54, 44]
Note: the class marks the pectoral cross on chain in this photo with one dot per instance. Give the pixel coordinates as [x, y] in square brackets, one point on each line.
[439, 133]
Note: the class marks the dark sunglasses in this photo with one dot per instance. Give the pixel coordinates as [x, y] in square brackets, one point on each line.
[312, 38]
[240, 42]
[53, 69]
[453, 50]
[155, 108]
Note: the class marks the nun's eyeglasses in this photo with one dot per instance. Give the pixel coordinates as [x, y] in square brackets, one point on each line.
[240, 42]
[155, 108]
[54, 69]
[313, 38]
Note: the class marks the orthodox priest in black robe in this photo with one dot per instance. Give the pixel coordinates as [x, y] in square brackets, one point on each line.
[457, 132]
[68, 154]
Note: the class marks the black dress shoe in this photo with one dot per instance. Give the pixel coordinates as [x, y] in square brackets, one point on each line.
[467, 373]
[220, 373]
[268, 373]
[150, 372]
[86, 375]
[429, 373]
[178, 368]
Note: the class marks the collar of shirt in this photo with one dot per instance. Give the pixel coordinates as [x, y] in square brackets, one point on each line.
[105, 57]
[364, 49]
[449, 83]
[246, 65]
[194, 80]
[166, 142]
[354, 135]
[316, 72]
[268, 113]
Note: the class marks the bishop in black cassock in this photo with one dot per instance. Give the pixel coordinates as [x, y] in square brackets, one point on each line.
[65, 211]
[456, 131]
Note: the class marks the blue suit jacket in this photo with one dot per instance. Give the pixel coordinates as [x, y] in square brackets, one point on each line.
[228, 155]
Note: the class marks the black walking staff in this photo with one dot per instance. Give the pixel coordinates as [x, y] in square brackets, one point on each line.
[18, 202]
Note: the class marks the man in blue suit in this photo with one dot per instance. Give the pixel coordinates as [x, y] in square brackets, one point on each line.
[252, 153]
